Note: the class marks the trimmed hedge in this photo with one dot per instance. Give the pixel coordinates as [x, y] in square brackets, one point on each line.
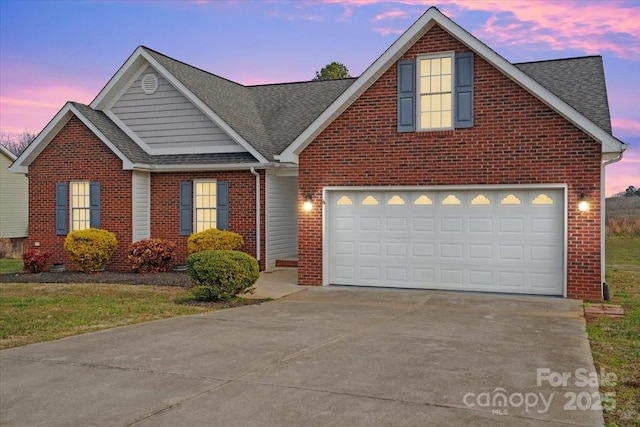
[220, 275]
[214, 240]
[91, 248]
[151, 255]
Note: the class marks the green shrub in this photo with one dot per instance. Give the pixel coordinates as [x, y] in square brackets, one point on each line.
[35, 260]
[151, 255]
[222, 274]
[91, 248]
[214, 240]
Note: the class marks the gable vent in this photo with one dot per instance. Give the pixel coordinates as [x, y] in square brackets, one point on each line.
[149, 84]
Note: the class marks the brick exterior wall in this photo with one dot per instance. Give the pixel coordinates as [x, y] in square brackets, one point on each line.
[516, 139]
[165, 200]
[75, 153]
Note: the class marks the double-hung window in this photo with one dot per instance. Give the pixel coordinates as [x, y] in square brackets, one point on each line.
[435, 92]
[435, 84]
[204, 195]
[204, 204]
[77, 206]
[80, 212]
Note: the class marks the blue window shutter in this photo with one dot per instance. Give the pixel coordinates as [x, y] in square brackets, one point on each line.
[94, 204]
[406, 95]
[186, 199]
[61, 208]
[464, 90]
[222, 208]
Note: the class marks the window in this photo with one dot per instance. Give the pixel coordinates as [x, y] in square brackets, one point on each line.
[77, 206]
[203, 205]
[435, 92]
[80, 209]
[435, 82]
[204, 195]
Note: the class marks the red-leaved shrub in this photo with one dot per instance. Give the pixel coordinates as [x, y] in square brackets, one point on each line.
[34, 260]
[151, 255]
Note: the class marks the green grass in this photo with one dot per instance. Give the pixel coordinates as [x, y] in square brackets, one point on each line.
[31, 313]
[615, 343]
[10, 265]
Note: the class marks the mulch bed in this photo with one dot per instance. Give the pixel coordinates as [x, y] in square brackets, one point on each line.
[111, 277]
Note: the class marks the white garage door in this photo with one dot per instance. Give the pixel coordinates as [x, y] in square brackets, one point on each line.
[483, 240]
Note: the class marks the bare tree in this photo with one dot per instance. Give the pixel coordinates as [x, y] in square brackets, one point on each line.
[16, 143]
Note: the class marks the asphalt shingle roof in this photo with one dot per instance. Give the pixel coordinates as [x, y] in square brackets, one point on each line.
[577, 81]
[270, 117]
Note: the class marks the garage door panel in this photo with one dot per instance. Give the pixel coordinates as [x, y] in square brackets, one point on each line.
[424, 250]
[481, 278]
[423, 224]
[485, 240]
[480, 251]
[481, 225]
[451, 225]
[369, 224]
[369, 249]
[394, 249]
[511, 225]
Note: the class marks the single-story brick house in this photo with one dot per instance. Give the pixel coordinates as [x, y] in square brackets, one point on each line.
[443, 166]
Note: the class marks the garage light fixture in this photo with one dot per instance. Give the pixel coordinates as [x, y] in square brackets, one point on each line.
[583, 203]
[308, 203]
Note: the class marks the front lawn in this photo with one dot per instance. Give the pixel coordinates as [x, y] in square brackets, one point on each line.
[10, 265]
[31, 313]
[615, 343]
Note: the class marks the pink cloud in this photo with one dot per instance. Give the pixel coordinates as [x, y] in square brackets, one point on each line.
[392, 14]
[385, 31]
[621, 175]
[31, 108]
[626, 127]
[591, 27]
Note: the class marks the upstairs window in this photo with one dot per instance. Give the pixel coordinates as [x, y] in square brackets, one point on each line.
[435, 83]
[435, 92]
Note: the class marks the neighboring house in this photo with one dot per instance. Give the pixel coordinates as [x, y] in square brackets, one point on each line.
[14, 199]
[442, 166]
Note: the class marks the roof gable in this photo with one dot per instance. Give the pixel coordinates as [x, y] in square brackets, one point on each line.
[434, 17]
[199, 87]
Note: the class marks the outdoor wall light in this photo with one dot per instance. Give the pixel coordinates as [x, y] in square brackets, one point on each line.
[308, 203]
[583, 203]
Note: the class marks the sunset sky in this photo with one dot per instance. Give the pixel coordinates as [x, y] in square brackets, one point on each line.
[55, 51]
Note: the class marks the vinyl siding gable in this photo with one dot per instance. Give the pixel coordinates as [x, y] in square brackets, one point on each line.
[167, 122]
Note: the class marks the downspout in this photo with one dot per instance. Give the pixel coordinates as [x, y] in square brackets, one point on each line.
[603, 218]
[257, 175]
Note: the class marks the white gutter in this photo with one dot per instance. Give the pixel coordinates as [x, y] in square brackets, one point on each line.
[257, 175]
[603, 217]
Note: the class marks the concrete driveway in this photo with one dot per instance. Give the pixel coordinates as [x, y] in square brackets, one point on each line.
[321, 356]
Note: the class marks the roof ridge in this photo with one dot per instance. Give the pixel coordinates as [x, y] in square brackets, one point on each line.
[191, 66]
[558, 59]
[298, 82]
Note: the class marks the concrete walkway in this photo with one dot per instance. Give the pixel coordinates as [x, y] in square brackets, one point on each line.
[276, 283]
[320, 356]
